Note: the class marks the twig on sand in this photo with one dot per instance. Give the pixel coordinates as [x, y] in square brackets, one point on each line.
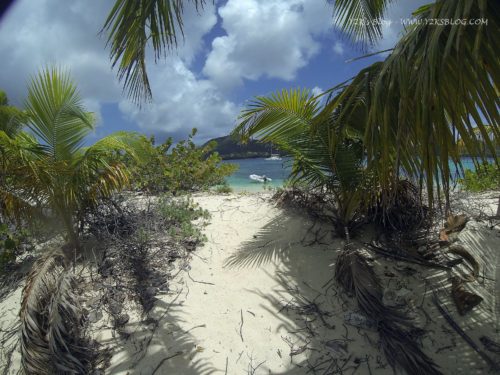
[165, 359]
[241, 326]
[226, 366]
[198, 326]
[199, 282]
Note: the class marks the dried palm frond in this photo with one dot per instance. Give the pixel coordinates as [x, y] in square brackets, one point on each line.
[50, 319]
[68, 352]
[35, 352]
[402, 350]
[357, 277]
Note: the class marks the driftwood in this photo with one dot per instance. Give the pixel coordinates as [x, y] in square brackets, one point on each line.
[464, 299]
[454, 223]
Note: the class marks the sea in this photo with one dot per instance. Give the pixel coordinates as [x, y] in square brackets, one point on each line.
[276, 170]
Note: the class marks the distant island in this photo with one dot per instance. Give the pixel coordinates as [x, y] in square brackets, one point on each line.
[229, 148]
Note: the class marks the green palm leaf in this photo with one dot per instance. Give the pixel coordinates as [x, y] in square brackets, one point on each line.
[56, 113]
[360, 19]
[131, 25]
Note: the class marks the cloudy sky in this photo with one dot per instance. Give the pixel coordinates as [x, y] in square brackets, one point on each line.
[232, 51]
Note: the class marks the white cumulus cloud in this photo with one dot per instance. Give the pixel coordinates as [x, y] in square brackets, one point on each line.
[182, 102]
[265, 38]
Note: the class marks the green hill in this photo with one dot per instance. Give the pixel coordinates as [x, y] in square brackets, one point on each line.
[229, 148]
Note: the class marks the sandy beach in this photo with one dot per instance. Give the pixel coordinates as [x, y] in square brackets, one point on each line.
[258, 298]
[253, 301]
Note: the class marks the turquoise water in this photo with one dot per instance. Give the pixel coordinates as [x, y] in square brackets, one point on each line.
[277, 170]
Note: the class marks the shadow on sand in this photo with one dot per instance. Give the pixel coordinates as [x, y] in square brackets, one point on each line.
[312, 308]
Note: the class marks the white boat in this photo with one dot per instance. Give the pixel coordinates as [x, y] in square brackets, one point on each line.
[258, 178]
[274, 157]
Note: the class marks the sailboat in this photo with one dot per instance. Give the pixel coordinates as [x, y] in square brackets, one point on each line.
[274, 156]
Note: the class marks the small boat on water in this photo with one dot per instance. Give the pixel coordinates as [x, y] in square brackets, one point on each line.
[274, 157]
[258, 178]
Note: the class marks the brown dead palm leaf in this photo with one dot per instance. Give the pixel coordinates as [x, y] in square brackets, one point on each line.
[358, 278]
[401, 350]
[51, 341]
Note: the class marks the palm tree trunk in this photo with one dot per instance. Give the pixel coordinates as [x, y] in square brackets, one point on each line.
[73, 245]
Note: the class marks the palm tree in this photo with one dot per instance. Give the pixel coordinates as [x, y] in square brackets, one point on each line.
[439, 84]
[49, 167]
[326, 157]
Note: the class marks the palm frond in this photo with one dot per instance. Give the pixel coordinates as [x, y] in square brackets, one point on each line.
[35, 351]
[357, 277]
[56, 113]
[360, 19]
[51, 340]
[278, 117]
[131, 25]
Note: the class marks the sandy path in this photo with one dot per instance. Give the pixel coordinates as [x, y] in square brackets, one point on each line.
[223, 318]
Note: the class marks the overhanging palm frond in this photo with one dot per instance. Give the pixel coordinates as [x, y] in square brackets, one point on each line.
[439, 84]
[131, 25]
[360, 19]
[56, 113]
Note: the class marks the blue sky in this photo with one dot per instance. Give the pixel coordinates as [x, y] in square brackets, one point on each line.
[232, 51]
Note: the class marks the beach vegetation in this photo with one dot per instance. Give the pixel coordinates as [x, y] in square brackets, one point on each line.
[180, 217]
[485, 177]
[11, 117]
[182, 168]
[47, 170]
[224, 188]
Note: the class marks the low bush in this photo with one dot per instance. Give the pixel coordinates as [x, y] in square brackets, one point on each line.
[224, 188]
[179, 216]
[12, 241]
[182, 168]
[486, 177]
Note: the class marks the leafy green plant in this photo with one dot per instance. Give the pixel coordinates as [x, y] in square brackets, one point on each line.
[224, 188]
[182, 168]
[48, 169]
[179, 215]
[485, 177]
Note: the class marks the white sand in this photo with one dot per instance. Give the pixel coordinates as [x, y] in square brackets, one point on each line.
[233, 322]
[233, 309]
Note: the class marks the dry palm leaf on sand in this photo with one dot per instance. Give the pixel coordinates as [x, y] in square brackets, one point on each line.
[358, 278]
[50, 315]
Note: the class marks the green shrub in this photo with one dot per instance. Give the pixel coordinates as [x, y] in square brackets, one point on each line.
[183, 168]
[486, 177]
[224, 188]
[179, 215]
[10, 243]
